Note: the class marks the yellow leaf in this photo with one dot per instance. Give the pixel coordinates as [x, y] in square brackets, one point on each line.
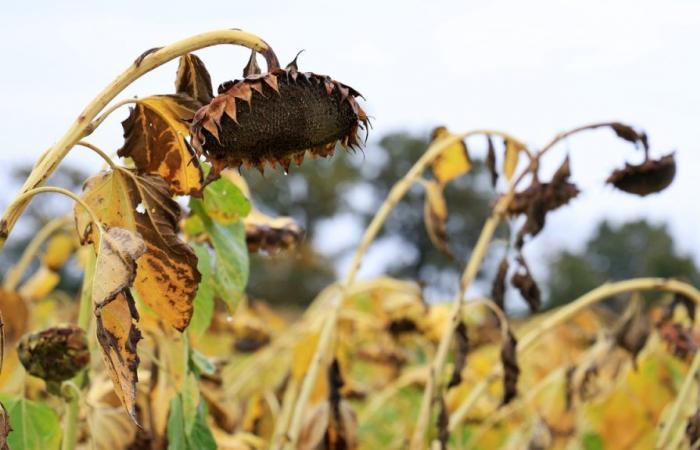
[167, 275]
[40, 284]
[59, 248]
[435, 215]
[115, 269]
[510, 162]
[155, 138]
[453, 161]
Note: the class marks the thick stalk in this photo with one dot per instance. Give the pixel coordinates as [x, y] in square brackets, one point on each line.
[144, 64]
[70, 425]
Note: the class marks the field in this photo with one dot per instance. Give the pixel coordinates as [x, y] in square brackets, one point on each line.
[162, 346]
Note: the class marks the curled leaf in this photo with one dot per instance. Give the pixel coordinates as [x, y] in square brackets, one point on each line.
[525, 283]
[193, 79]
[115, 271]
[629, 134]
[632, 330]
[167, 275]
[453, 161]
[653, 175]
[461, 351]
[541, 198]
[491, 161]
[155, 138]
[498, 288]
[511, 370]
[435, 215]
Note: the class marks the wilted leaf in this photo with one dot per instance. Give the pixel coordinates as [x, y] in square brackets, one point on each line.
[680, 339]
[193, 79]
[525, 283]
[167, 275]
[653, 175]
[633, 329]
[453, 161]
[204, 300]
[511, 370]
[629, 134]
[540, 198]
[491, 161]
[155, 138]
[435, 215]
[35, 425]
[461, 351]
[498, 288]
[510, 161]
[115, 270]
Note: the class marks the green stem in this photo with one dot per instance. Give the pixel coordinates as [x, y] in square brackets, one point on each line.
[70, 427]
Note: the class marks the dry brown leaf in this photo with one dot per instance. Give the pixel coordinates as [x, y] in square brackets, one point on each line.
[115, 271]
[155, 138]
[453, 161]
[435, 215]
[193, 79]
[167, 275]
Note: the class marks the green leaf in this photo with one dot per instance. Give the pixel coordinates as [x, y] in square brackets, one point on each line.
[35, 425]
[199, 363]
[228, 240]
[593, 441]
[224, 202]
[204, 300]
[187, 423]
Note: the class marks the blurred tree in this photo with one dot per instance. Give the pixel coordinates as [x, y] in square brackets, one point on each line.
[633, 249]
[344, 192]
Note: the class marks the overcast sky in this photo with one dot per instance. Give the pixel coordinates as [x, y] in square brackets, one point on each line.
[532, 68]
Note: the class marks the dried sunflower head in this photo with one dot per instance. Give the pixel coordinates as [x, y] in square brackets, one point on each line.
[653, 175]
[54, 354]
[276, 118]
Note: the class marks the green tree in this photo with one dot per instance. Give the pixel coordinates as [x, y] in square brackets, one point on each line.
[352, 186]
[633, 249]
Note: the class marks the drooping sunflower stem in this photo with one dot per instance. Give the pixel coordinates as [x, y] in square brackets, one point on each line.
[83, 125]
[395, 195]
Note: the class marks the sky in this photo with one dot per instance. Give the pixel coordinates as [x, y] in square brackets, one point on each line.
[531, 68]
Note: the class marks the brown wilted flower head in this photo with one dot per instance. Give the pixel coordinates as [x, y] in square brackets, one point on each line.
[653, 175]
[54, 354]
[276, 118]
